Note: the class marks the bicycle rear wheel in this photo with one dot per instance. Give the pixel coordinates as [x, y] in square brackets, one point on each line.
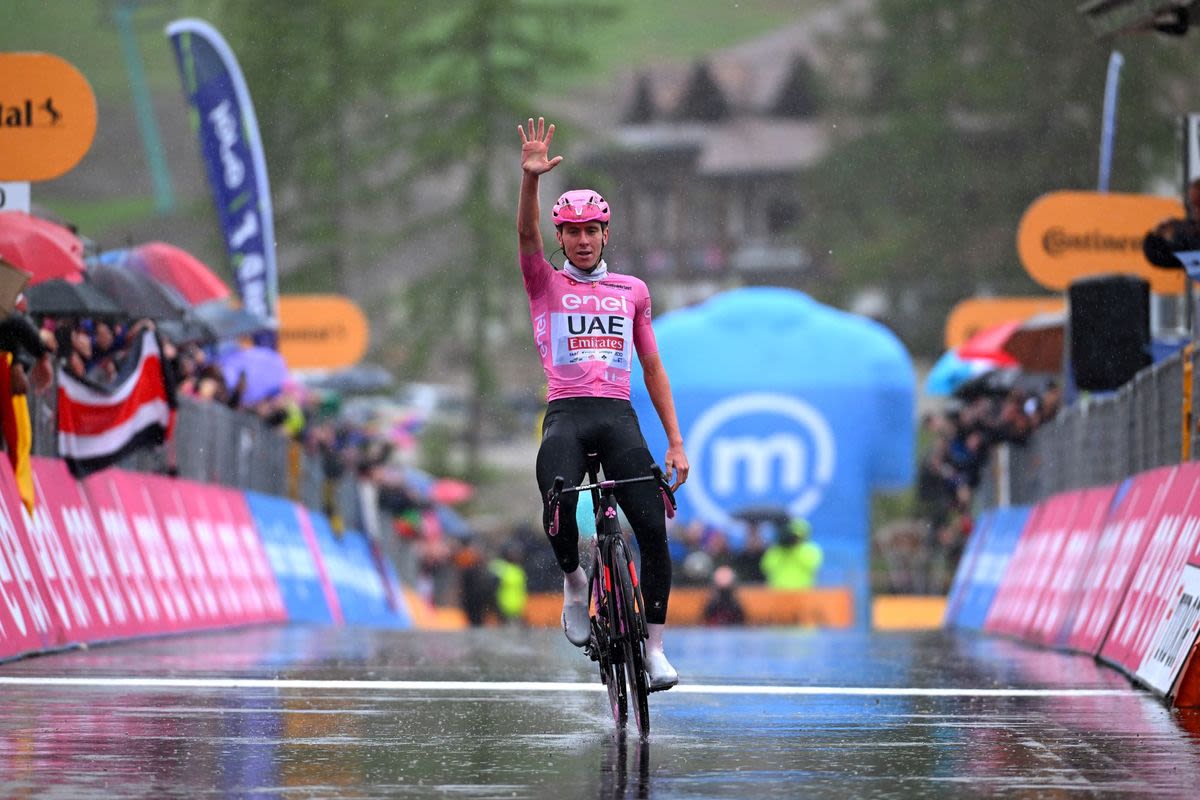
[632, 624]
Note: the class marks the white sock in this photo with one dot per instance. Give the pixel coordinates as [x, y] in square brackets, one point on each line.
[575, 586]
[654, 640]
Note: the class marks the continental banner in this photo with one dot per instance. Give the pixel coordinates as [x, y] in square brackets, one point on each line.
[223, 118]
[1065, 236]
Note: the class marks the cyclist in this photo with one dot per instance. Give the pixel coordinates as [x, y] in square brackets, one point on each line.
[586, 322]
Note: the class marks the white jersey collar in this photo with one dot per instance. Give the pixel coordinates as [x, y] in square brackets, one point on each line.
[599, 272]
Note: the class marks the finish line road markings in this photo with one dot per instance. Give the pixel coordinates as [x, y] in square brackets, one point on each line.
[285, 684]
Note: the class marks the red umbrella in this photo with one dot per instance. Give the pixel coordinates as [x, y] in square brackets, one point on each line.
[179, 269]
[1035, 344]
[40, 247]
[988, 345]
[449, 491]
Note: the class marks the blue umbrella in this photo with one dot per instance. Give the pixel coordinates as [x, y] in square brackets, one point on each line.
[452, 524]
[264, 368]
[952, 370]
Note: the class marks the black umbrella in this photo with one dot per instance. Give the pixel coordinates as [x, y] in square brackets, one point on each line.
[359, 379]
[757, 514]
[138, 294]
[996, 383]
[228, 322]
[58, 298]
[184, 331]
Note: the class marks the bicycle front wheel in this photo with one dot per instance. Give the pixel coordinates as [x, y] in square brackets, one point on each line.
[631, 624]
[611, 673]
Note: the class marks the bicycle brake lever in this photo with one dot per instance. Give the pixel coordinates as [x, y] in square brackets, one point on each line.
[552, 498]
[664, 488]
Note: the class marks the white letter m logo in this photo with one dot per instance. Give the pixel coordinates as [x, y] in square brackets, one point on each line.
[758, 455]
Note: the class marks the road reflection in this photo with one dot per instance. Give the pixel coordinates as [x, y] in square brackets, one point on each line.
[625, 768]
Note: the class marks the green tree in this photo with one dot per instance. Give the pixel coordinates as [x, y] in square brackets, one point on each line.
[322, 76]
[474, 68]
[972, 110]
[362, 106]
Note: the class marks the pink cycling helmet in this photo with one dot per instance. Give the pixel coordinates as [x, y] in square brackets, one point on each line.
[580, 205]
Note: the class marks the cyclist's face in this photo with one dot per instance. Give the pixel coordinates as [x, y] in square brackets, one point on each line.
[583, 242]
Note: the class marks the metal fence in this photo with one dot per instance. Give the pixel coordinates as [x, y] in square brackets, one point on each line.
[1100, 439]
[216, 444]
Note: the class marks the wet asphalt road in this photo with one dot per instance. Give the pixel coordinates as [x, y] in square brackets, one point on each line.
[267, 712]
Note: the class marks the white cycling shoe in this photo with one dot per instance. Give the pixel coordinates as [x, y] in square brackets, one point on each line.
[662, 674]
[576, 623]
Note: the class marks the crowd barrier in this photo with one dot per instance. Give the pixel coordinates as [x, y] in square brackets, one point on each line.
[124, 554]
[1111, 572]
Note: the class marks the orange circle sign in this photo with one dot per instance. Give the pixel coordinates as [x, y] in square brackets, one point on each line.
[321, 331]
[47, 116]
[1065, 236]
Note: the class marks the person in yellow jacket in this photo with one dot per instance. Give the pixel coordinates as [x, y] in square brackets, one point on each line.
[511, 593]
[794, 560]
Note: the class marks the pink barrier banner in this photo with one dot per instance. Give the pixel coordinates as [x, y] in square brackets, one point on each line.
[149, 614]
[232, 507]
[1174, 618]
[1061, 596]
[1032, 566]
[237, 597]
[81, 589]
[1119, 549]
[151, 539]
[25, 622]
[167, 498]
[1051, 539]
[1165, 554]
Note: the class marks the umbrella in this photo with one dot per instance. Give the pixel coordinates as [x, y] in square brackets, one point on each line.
[60, 298]
[1035, 344]
[178, 269]
[988, 345]
[229, 322]
[360, 379]
[952, 370]
[996, 383]
[452, 524]
[264, 368]
[136, 293]
[449, 491]
[758, 514]
[1038, 342]
[42, 248]
[181, 331]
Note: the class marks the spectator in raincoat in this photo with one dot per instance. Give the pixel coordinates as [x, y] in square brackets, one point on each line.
[511, 593]
[794, 560]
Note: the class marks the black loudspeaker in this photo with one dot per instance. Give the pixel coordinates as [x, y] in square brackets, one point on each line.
[1109, 330]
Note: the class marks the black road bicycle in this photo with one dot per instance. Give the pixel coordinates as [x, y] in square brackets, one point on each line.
[615, 597]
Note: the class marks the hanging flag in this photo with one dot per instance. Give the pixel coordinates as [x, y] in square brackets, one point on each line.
[223, 117]
[100, 425]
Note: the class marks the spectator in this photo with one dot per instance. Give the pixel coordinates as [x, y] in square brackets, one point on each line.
[747, 562]
[723, 606]
[1175, 235]
[793, 561]
[511, 594]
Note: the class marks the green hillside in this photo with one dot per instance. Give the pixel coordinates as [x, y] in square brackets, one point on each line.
[85, 32]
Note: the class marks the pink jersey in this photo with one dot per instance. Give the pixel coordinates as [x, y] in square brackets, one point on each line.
[586, 332]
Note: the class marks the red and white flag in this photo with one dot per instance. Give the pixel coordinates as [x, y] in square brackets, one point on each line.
[99, 425]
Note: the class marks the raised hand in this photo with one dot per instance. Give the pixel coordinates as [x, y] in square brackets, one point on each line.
[535, 147]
